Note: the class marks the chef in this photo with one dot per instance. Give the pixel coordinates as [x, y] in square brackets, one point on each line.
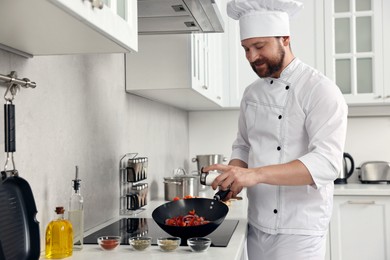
[291, 134]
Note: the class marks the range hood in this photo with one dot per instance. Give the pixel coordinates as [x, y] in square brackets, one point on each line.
[178, 16]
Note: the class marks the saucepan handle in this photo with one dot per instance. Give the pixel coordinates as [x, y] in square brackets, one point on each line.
[9, 125]
[221, 194]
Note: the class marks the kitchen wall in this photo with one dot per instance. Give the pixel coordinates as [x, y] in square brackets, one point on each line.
[79, 114]
[368, 138]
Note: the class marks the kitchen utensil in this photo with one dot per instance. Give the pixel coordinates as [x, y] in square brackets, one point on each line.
[207, 178]
[19, 230]
[374, 172]
[206, 160]
[345, 173]
[181, 185]
[211, 209]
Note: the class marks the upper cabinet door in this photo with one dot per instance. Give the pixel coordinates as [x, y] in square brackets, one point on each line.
[46, 27]
[355, 32]
[207, 70]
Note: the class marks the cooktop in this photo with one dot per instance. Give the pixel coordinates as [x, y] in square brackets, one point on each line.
[130, 227]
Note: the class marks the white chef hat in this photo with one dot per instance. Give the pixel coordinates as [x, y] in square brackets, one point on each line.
[263, 18]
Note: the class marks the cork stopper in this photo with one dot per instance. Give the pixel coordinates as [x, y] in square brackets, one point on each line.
[60, 210]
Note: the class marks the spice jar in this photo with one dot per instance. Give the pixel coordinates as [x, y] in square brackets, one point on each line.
[207, 178]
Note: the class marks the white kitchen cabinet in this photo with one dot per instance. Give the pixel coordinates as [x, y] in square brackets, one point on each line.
[306, 43]
[240, 73]
[206, 65]
[327, 251]
[357, 49]
[177, 69]
[360, 228]
[183, 70]
[46, 27]
[215, 67]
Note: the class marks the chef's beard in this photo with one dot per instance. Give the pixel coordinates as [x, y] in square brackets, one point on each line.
[273, 65]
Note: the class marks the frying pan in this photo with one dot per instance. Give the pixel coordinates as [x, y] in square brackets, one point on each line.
[211, 209]
[19, 230]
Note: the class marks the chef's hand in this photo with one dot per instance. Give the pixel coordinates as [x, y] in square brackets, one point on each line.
[231, 177]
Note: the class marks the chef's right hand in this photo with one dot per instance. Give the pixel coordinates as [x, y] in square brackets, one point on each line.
[226, 179]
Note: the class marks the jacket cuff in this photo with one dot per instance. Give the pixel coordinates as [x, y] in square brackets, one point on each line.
[240, 153]
[320, 168]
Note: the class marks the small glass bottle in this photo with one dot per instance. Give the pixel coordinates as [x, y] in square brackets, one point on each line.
[59, 236]
[76, 213]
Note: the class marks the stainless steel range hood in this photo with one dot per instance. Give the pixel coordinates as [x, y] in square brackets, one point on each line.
[178, 16]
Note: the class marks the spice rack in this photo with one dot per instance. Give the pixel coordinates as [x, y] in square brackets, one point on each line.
[133, 172]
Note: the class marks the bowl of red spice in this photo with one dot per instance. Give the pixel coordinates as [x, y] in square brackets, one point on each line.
[109, 242]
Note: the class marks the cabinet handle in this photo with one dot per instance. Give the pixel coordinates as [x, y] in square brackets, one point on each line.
[219, 98]
[205, 87]
[378, 97]
[97, 3]
[365, 202]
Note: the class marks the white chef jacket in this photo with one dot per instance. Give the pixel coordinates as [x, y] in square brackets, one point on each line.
[301, 115]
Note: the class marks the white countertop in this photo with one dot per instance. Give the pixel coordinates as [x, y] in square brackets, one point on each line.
[237, 210]
[357, 189]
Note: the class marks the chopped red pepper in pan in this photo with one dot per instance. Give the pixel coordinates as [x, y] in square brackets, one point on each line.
[192, 219]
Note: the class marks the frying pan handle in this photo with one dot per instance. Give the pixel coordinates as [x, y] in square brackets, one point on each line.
[9, 127]
[221, 194]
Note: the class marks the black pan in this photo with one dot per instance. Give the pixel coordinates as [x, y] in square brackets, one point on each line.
[211, 209]
[19, 230]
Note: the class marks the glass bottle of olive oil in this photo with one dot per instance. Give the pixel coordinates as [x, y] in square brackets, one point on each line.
[59, 236]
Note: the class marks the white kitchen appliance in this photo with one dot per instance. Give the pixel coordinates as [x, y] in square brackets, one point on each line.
[346, 171]
[136, 227]
[374, 172]
[178, 16]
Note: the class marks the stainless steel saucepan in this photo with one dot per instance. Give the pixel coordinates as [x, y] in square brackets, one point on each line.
[181, 185]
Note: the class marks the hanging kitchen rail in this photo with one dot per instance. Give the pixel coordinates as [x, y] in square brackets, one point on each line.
[132, 192]
[14, 84]
[12, 78]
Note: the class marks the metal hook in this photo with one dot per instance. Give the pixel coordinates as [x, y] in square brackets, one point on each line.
[12, 88]
[7, 160]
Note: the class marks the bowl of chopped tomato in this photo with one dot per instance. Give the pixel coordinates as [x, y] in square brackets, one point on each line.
[186, 218]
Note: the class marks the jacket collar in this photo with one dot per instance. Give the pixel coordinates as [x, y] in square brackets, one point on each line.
[286, 73]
